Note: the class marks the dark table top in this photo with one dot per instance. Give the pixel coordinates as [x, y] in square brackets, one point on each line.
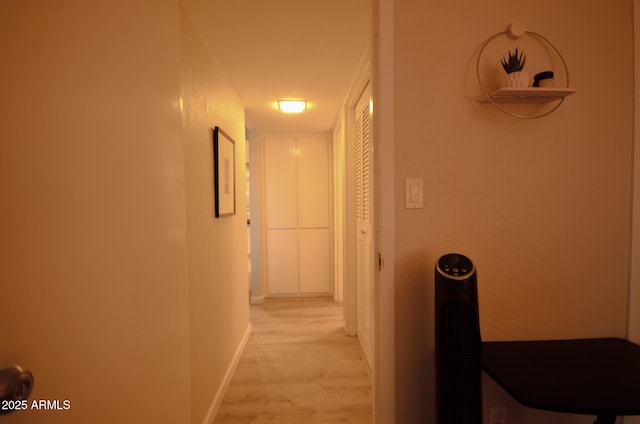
[583, 376]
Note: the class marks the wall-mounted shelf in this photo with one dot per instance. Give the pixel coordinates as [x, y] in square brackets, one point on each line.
[529, 95]
[554, 96]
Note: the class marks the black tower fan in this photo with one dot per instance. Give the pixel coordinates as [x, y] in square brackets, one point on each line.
[458, 343]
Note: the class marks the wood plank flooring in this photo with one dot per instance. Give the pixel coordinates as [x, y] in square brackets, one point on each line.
[298, 367]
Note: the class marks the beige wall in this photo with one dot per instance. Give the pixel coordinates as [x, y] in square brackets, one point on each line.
[542, 206]
[121, 292]
[93, 270]
[216, 247]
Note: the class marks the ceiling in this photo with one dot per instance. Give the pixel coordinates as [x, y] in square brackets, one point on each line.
[281, 49]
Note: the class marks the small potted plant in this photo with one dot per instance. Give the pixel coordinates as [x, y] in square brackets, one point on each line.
[513, 66]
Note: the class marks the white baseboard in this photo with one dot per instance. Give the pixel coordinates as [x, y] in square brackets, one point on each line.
[257, 300]
[217, 399]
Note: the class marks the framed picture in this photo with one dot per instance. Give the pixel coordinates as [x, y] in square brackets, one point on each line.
[224, 152]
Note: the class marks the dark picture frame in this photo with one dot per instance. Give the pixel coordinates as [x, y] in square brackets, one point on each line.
[224, 170]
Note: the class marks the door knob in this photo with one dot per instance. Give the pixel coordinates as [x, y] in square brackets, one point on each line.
[15, 386]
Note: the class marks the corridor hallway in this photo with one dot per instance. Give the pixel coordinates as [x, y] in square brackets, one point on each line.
[298, 367]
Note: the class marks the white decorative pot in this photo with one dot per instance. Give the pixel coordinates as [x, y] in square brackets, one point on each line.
[516, 80]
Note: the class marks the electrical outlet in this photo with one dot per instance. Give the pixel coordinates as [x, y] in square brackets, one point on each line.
[497, 415]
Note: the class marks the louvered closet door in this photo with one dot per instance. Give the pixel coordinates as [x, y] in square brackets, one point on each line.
[296, 173]
[364, 204]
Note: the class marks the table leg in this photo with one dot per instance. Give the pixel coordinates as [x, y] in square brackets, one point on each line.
[605, 419]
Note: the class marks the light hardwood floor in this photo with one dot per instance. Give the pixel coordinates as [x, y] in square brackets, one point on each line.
[298, 367]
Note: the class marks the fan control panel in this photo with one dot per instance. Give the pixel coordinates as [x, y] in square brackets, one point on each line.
[455, 265]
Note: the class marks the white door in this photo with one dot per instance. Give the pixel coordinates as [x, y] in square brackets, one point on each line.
[297, 205]
[364, 219]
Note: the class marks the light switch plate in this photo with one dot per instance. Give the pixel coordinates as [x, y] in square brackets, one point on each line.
[413, 193]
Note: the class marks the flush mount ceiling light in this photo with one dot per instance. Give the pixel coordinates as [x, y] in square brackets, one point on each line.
[292, 106]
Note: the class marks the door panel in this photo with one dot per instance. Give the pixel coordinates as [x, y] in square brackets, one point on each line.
[313, 182]
[282, 268]
[281, 188]
[315, 264]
